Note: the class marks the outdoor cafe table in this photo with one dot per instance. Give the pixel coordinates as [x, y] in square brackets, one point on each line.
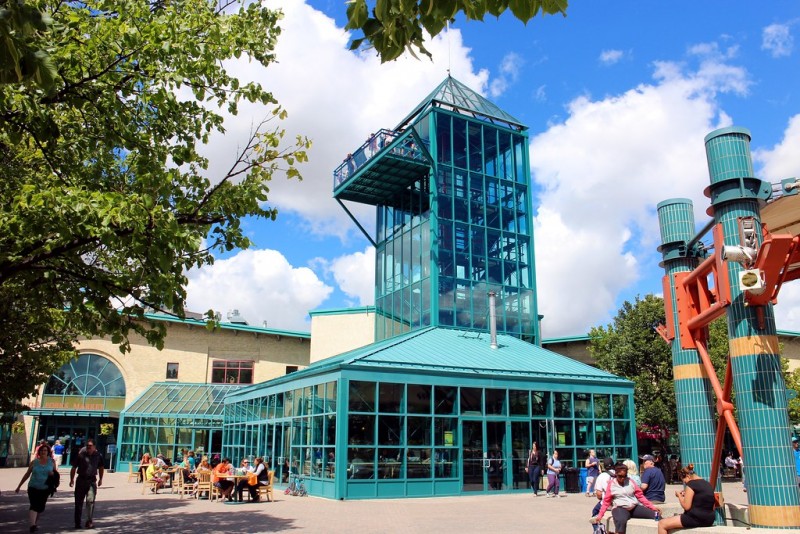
[236, 479]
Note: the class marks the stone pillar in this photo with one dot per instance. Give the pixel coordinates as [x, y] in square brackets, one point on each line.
[760, 391]
[693, 392]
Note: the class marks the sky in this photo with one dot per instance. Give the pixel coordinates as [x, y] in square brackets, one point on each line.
[617, 97]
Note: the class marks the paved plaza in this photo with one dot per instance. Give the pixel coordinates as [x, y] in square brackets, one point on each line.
[121, 507]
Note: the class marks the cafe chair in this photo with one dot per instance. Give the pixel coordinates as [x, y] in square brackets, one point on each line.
[181, 486]
[133, 474]
[203, 485]
[152, 484]
[216, 494]
[266, 490]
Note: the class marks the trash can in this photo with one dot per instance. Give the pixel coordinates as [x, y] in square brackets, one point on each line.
[571, 480]
[582, 479]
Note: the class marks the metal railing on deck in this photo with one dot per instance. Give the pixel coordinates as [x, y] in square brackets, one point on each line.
[371, 147]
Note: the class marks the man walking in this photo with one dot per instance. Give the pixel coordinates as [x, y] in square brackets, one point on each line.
[89, 466]
[58, 452]
[796, 451]
[653, 483]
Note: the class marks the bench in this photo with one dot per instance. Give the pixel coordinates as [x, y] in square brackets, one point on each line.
[736, 514]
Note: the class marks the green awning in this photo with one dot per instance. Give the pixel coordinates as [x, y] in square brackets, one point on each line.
[61, 412]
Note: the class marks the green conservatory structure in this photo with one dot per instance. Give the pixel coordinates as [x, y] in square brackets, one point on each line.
[429, 413]
[456, 388]
[168, 417]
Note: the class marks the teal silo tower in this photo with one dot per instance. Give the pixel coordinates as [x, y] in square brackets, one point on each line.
[451, 186]
[755, 360]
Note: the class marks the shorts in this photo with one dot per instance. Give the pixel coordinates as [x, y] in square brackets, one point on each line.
[690, 521]
[37, 499]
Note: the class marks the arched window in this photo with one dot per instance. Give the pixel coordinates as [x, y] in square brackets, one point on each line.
[89, 381]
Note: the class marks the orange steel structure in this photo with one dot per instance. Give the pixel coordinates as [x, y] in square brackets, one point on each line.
[699, 303]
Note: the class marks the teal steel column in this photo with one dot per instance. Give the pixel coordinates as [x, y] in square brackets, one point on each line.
[760, 390]
[693, 392]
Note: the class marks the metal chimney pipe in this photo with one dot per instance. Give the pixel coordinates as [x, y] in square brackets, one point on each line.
[492, 320]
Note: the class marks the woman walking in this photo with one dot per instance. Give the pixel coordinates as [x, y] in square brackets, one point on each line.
[592, 465]
[553, 469]
[535, 464]
[42, 467]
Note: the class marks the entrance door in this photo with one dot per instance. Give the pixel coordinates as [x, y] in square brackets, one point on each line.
[474, 476]
[72, 437]
[485, 458]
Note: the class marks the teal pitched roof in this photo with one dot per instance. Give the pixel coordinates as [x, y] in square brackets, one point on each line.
[462, 352]
[455, 96]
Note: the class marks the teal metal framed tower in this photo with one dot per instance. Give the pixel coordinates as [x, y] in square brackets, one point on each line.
[748, 266]
[755, 360]
[451, 186]
[693, 391]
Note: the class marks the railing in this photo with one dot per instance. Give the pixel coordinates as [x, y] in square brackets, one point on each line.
[372, 146]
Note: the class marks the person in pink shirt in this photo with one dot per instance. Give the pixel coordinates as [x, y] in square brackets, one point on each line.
[626, 500]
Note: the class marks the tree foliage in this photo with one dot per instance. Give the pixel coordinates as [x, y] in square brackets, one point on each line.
[393, 26]
[22, 58]
[792, 379]
[630, 347]
[106, 200]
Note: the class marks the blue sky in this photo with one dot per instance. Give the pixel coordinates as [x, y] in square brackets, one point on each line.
[617, 98]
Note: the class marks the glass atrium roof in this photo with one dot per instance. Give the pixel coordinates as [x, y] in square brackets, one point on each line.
[455, 96]
[165, 398]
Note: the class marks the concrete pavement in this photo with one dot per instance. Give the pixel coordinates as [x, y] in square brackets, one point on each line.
[121, 508]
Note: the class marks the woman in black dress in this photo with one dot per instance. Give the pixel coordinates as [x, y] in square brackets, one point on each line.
[697, 499]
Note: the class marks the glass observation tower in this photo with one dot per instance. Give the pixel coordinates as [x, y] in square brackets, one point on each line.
[451, 184]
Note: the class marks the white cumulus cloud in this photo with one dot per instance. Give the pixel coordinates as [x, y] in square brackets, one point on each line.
[609, 57]
[355, 275]
[602, 171]
[777, 40]
[262, 285]
[509, 72]
[337, 98]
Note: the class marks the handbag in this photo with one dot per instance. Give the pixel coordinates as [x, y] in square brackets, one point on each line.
[252, 479]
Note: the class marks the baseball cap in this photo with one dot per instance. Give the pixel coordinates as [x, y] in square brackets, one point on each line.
[647, 457]
[794, 438]
[608, 463]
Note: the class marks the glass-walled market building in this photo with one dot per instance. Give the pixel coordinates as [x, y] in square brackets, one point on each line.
[432, 412]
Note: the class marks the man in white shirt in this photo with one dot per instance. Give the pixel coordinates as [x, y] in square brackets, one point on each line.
[601, 483]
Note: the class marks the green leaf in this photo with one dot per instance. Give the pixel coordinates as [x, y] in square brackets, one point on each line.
[357, 14]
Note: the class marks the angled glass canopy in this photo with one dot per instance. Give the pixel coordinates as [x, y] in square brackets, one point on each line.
[170, 417]
[165, 398]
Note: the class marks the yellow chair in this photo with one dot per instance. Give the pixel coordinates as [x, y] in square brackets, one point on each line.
[267, 490]
[203, 485]
[182, 487]
[133, 474]
[153, 483]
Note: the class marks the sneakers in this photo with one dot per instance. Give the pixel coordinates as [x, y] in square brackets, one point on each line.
[550, 495]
